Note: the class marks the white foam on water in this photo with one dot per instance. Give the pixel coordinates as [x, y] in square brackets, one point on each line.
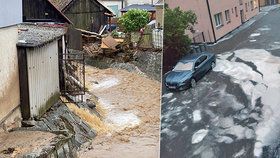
[172, 100]
[267, 88]
[122, 120]
[106, 83]
[186, 102]
[252, 40]
[255, 34]
[239, 153]
[196, 116]
[170, 133]
[199, 136]
[168, 95]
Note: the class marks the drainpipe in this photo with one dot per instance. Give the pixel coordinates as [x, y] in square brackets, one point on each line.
[122, 3]
[210, 16]
[259, 5]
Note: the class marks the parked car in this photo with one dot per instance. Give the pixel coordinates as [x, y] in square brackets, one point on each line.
[189, 70]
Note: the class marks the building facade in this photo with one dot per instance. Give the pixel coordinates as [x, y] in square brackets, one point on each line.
[268, 2]
[10, 115]
[216, 18]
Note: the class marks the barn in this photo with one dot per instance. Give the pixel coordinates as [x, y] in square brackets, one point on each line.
[88, 15]
[42, 11]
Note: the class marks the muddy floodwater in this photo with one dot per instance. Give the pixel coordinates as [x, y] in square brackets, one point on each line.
[129, 105]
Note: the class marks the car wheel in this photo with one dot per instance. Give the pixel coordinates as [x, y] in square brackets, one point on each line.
[213, 65]
[193, 83]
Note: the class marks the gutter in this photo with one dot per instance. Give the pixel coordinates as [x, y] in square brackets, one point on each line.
[209, 12]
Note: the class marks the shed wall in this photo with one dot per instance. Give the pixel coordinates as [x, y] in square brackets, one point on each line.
[9, 83]
[43, 78]
[87, 15]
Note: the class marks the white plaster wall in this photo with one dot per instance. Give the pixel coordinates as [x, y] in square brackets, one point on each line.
[110, 3]
[9, 77]
[10, 12]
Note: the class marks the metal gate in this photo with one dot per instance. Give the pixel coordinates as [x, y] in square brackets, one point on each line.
[72, 75]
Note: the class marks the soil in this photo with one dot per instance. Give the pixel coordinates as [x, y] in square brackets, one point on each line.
[19, 143]
[129, 105]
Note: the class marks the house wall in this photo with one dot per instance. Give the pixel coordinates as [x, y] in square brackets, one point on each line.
[216, 6]
[262, 3]
[129, 2]
[87, 15]
[111, 4]
[199, 7]
[9, 83]
[10, 16]
[43, 78]
[220, 6]
[159, 16]
[250, 13]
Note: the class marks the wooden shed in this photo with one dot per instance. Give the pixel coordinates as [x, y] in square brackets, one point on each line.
[38, 57]
[42, 11]
[89, 15]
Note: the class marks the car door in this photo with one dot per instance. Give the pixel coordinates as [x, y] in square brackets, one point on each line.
[200, 67]
[197, 69]
[204, 64]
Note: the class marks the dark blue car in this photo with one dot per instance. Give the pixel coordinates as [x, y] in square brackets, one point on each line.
[189, 70]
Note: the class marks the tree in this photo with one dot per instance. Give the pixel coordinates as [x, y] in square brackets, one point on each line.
[176, 42]
[134, 20]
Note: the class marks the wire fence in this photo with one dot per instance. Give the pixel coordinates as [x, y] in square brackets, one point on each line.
[157, 38]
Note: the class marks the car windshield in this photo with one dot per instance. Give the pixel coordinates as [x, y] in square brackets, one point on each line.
[183, 66]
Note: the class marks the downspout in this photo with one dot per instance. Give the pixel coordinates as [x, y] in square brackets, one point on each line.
[210, 16]
[122, 4]
[259, 5]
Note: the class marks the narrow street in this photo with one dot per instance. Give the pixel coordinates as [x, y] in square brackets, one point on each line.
[233, 111]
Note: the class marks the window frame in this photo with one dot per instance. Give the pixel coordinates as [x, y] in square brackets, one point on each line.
[227, 16]
[218, 20]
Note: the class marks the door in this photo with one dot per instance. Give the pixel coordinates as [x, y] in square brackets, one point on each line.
[242, 16]
[72, 75]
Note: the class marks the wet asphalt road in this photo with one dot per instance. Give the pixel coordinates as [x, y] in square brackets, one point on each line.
[227, 114]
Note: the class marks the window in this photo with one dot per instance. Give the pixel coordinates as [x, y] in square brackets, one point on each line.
[183, 66]
[218, 19]
[240, 2]
[203, 58]
[246, 7]
[252, 5]
[115, 9]
[227, 13]
[236, 14]
[255, 4]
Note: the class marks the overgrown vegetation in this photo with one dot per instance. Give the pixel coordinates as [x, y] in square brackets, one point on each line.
[134, 20]
[176, 22]
[176, 42]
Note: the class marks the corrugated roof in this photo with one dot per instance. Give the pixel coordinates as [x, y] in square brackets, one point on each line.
[148, 7]
[31, 35]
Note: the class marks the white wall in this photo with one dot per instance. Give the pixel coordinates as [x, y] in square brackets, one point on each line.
[129, 2]
[110, 3]
[10, 12]
[9, 76]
